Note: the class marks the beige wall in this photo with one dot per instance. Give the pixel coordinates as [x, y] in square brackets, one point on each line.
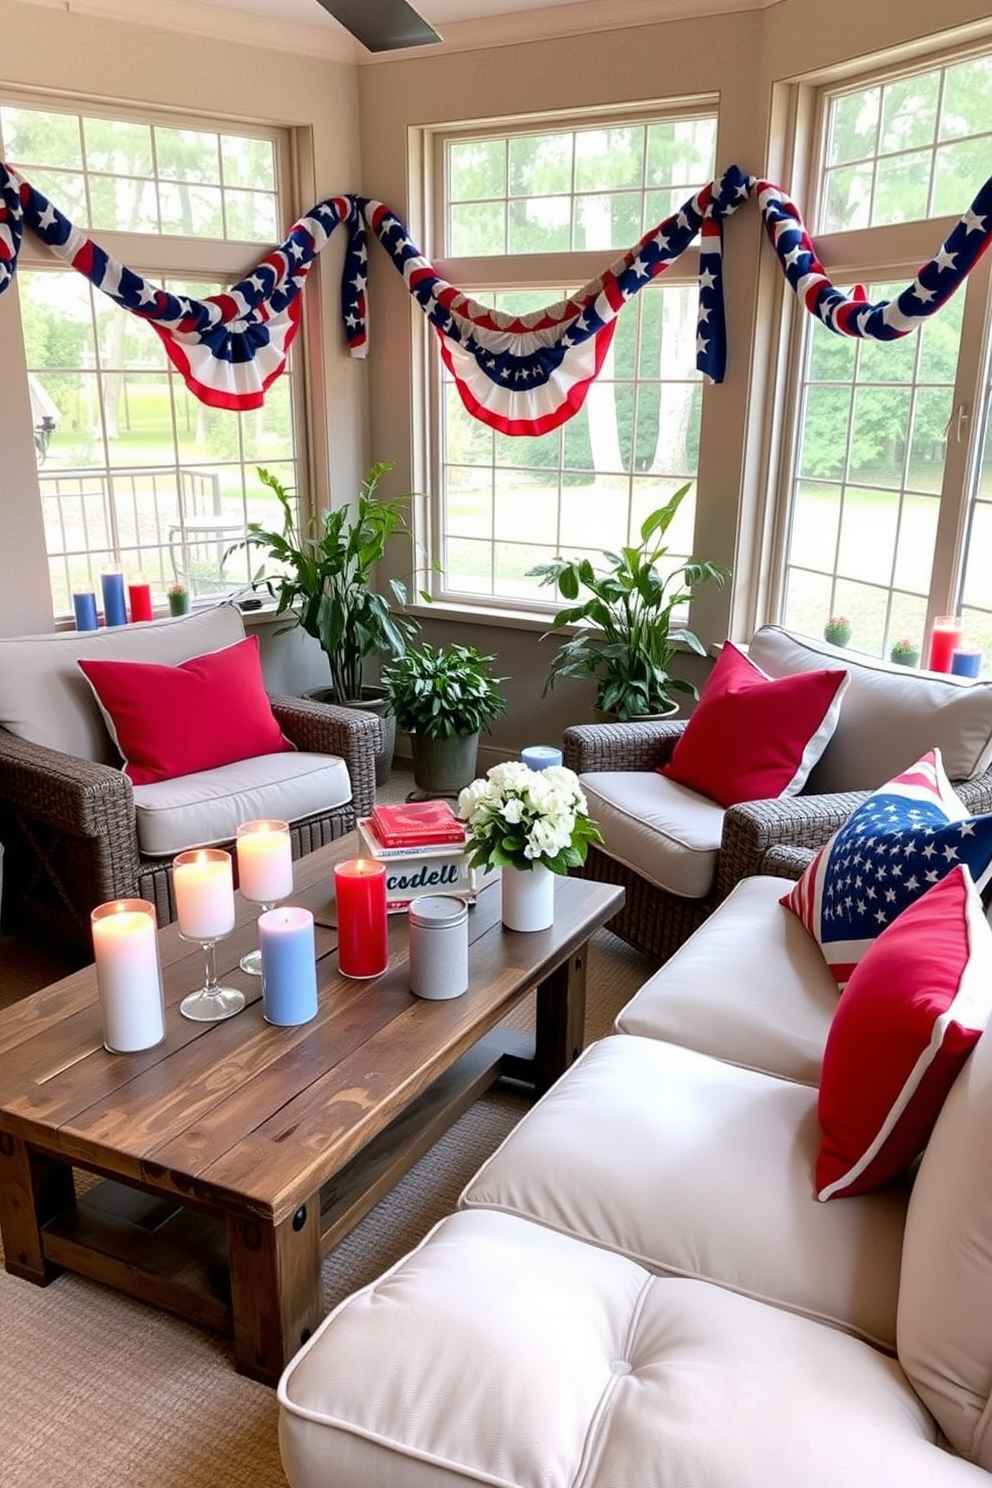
[358, 119]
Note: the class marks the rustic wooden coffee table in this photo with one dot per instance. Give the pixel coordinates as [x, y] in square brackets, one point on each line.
[238, 1153]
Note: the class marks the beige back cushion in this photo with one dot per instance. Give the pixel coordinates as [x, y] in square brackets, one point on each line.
[45, 698]
[944, 1323]
[890, 716]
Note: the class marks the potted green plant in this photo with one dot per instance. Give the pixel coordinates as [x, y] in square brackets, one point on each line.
[178, 598]
[837, 630]
[905, 653]
[626, 643]
[323, 582]
[443, 697]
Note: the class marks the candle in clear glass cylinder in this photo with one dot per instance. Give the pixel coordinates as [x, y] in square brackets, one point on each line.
[265, 861]
[360, 891]
[204, 888]
[945, 637]
[289, 965]
[128, 975]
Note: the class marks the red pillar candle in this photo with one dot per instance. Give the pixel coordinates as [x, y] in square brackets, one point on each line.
[139, 598]
[945, 638]
[360, 890]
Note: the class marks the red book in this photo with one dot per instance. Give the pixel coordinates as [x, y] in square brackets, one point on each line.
[416, 822]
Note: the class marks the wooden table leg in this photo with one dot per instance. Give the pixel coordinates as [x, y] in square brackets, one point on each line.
[33, 1189]
[276, 1297]
[560, 1019]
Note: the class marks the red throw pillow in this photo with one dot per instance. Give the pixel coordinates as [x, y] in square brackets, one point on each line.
[752, 737]
[173, 720]
[906, 1022]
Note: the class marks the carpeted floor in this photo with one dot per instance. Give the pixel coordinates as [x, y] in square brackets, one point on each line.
[97, 1390]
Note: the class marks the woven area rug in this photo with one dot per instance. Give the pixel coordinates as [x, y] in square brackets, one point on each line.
[97, 1390]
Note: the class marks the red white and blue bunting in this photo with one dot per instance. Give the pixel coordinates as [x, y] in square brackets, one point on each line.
[521, 375]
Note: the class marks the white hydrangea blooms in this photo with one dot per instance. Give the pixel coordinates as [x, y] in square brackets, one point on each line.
[520, 815]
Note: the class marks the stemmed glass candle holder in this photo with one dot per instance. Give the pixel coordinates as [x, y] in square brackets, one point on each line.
[265, 872]
[203, 882]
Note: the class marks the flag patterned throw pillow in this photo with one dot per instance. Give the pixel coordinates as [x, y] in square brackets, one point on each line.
[905, 837]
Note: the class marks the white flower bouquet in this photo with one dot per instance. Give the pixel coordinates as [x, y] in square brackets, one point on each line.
[518, 817]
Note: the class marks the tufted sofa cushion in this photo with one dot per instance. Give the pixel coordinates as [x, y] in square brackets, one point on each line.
[501, 1353]
[763, 1001]
[890, 715]
[669, 1110]
[45, 698]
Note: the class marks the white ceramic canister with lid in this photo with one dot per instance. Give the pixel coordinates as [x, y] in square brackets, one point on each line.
[438, 946]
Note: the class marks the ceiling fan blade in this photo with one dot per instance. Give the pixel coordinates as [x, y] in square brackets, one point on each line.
[382, 25]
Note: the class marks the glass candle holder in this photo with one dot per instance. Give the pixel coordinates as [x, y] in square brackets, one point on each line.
[265, 871]
[945, 637]
[203, 882]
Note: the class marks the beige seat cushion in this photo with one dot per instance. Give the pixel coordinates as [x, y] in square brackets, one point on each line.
[699, 1168]
[45, 698]
[945, 1292]
[208, 806]
[663, 831]
[891, 715]
[501, 1353]
[750, 987]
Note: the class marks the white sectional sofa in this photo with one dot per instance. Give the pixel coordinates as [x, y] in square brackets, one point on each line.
[641, 1290]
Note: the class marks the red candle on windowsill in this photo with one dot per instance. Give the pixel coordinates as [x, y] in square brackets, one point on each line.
[360, 890]
[139, 599]
[945, 638]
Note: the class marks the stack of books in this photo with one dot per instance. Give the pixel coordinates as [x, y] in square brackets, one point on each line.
[423, 846]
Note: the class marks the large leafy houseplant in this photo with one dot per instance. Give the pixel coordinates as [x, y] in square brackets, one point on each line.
[443, 692]
[443, 697]
[627, 642]
[324, 578]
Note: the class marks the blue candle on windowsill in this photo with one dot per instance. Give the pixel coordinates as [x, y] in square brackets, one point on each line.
[540, 756]
[289, 965]
[114, 603]
[85, 608]
[965, 662]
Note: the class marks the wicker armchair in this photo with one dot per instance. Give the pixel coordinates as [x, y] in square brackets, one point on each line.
[68, 824]
[878, 735]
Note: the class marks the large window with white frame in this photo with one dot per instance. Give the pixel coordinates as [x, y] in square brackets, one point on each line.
[889, 467]
[133, 471]
[526, 215]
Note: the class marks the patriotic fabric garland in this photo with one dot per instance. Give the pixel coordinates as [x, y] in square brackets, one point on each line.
[520, 375]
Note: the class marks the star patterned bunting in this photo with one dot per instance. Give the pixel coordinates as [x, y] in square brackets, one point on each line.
[522, 375]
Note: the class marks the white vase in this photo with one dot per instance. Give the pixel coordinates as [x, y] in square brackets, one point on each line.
[528, 898]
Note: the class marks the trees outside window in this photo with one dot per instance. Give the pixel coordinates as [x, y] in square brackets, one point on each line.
[526, 217]
[133, 471]
[890, 478]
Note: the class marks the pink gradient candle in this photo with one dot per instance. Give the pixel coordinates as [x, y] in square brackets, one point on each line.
[360, 890]
[945, 637]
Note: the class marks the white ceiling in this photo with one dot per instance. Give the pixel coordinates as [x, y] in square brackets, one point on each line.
[304, 25]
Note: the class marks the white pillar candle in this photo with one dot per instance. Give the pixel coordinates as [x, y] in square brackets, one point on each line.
[265, 861]
[204, 887]
[128, 975]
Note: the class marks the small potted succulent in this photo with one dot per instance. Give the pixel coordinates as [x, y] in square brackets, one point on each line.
[904, 653]
[178, 596]
[837, 630]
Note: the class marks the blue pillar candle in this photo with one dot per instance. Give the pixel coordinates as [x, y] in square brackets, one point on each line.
[966, 663]
[114, 603]
[289, 965]
[85, 608]
[540, 756]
